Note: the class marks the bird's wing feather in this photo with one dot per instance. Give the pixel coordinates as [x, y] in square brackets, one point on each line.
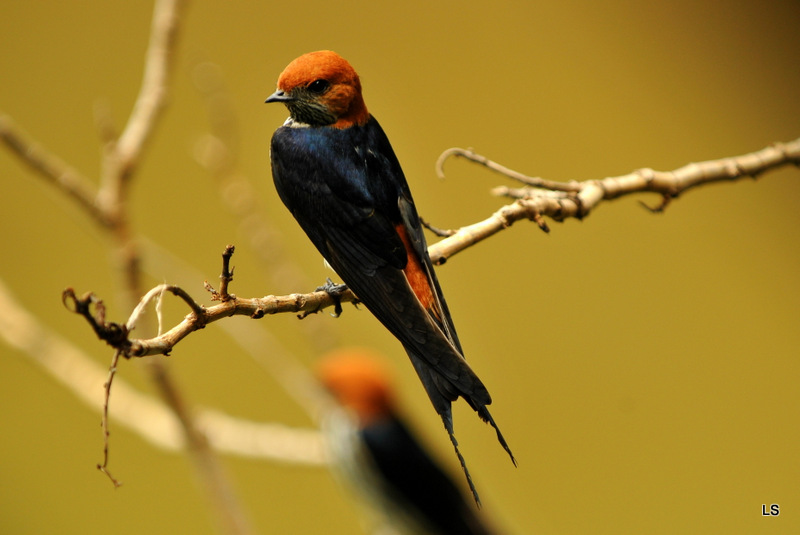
[385, 291]
[356, 212]
[416, 236]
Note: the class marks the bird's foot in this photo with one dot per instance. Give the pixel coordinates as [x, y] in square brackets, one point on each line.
[335, 291]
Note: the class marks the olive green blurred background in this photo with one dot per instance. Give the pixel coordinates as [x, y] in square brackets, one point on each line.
[644, 367]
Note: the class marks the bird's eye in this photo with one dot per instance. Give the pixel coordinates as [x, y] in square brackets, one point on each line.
[318, 86]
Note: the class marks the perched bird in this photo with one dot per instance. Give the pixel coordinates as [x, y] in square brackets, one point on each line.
[378, 455]
[335, 170]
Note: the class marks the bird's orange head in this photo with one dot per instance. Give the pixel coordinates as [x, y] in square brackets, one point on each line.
[359, 382]
[322, 89]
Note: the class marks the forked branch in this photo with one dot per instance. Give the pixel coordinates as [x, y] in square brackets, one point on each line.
[117, 334]
[571, 199]
[561, 200]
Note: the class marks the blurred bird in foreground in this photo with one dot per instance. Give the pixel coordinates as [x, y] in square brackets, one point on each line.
[381, 459]
[335, 170]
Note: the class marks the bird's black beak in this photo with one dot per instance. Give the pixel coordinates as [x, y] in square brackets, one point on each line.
[279, 96]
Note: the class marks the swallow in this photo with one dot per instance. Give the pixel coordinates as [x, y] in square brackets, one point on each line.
[335, 170]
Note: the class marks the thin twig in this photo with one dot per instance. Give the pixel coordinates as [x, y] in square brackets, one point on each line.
[226, 277]
[442, 233]
[472, 156]
[112, 371]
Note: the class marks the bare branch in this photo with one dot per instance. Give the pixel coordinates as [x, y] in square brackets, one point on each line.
[65, 177]
[155, 82]
[151, 420]
[669, 183]
[121, 157]
[578, 199]
[162, 345]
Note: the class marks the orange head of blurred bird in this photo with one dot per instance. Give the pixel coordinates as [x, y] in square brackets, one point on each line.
[359, 382]
[382, 459]
[337, 173]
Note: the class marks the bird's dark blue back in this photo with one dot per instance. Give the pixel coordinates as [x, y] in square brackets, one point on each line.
[340, 179]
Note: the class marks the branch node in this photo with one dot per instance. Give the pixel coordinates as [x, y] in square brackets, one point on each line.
[533, 214]
[647, 174]
[580, 211]
[114, 334]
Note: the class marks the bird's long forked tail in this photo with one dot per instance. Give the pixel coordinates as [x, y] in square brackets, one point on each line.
[484, 414]
[447, 419]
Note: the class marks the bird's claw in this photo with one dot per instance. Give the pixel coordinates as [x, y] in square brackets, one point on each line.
[335, 291]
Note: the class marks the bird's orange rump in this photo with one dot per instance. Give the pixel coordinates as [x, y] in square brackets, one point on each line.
[416, 275]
